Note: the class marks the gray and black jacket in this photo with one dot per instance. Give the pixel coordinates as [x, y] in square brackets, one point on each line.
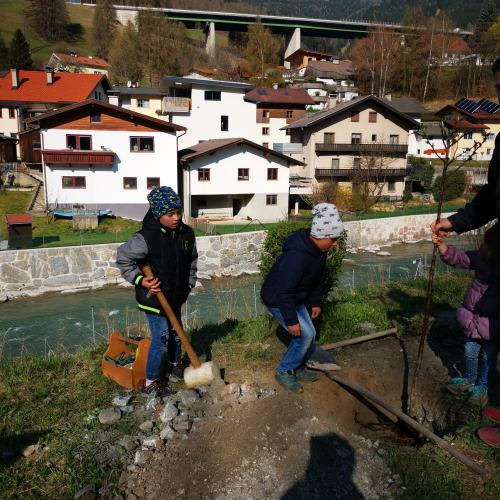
[172, 256]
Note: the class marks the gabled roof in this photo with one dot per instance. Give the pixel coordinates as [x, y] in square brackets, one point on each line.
[312, 53]
[93, 105]
[278, 96]
[93, 61]
[207, 82]
[407, 105]
[211, 146]
[315, 118]
[33, 87]
[329, 69]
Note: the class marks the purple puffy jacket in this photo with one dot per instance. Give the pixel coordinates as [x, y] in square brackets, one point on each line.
[479, 312]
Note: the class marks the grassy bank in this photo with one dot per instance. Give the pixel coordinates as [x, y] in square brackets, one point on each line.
[54, 401]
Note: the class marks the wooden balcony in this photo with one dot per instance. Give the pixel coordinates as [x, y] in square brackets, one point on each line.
[361, 148]
[175, 105]
[78, 157]
[349, 173]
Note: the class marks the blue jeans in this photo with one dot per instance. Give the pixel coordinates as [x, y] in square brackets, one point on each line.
[480, 361]
[163, 339]
[300, 348]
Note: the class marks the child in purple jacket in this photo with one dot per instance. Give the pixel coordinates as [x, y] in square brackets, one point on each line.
[478, 314]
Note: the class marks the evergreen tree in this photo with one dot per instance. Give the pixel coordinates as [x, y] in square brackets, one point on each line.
[124, 56]
[104, 27]
[49, 18]
[4, 56]
[19, 52]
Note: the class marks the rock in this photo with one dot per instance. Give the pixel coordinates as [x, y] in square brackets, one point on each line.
[167, 433]
[248, 393]
[86, 493]
[121, 401]
[202, 390]
[367, 327]
[127, 409]
[228, 391]
[267, 392]
[146, 426]
[182, 426]
[29, 450]
[383, 253]
[110, 415]
[168, 413]
[153, 403]
[187, 397]
[142, 457]
[154, 442]
[130, 443]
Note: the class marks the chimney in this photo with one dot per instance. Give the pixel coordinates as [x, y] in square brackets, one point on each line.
[50, 77]
[15, 78]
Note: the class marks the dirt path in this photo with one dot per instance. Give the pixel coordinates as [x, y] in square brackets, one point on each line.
[287, 446]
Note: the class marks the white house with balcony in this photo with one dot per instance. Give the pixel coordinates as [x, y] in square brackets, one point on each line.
[102, 156]
[235, 179]
[209, 109]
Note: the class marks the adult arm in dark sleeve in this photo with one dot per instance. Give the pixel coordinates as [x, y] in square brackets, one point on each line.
[318, 293]
[291, 271]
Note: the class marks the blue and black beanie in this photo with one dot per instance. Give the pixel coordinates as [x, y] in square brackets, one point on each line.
[163, 200]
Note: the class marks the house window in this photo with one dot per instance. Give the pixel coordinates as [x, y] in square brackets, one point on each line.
[490, 137]
[97, 95]
[95, 117]
[152, 182]
[488, 151]
[204, 174]
[372, 117]
[212, 95]
[356, 162]
[289, 114]
[354, 117]
[143, 103]
[288, 131]
[329, 137]
[224, 123]
[271, 199]
[335, 163]
[355, 138]
[81, 142]
[243, 174]
[272, 174]
[130, 183]
[394, 139]
[73, 182]
[374, 137]
[265, 113]
[145, 144]
[265, 144]
[1, 112]
[467, 135]
[391, 186]
[418, 151]
[12, 113]
[265, 130]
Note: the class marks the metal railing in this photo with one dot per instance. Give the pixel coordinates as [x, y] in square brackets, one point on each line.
[360, 148]
[347, 173]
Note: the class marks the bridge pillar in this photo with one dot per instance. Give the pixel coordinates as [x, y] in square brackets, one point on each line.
[124, 16]
[210, 38]
[292, 43]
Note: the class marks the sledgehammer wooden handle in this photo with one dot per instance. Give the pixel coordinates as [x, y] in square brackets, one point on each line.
[193, 358]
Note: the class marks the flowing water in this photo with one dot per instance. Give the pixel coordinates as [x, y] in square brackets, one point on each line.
[58, 321]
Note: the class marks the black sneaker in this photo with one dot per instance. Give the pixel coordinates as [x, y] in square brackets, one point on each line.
[177, 373]
[159, 389]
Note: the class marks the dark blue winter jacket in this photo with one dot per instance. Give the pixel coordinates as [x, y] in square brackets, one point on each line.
[296, 278]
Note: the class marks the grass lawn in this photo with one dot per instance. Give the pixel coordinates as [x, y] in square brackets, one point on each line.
[13, 18]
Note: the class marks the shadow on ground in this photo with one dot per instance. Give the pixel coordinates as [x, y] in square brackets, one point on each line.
[329, 471]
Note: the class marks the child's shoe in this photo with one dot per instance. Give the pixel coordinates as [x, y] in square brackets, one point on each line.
[490, 436]
[478, 396]
[305, 375]
[458, 386]
[492, 414]
[289, 381]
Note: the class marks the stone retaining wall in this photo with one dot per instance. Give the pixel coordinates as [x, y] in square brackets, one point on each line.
[36, 271]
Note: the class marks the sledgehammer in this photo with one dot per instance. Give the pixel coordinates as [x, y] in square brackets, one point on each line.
[198, 373]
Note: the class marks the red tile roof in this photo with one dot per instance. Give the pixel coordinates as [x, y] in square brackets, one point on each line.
[94, 61]
[33, 87]
[279, 96]
[19, 219]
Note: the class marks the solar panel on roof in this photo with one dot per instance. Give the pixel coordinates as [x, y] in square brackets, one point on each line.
[488, 106]
[467, 105]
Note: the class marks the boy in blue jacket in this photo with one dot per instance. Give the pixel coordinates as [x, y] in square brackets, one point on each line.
[295, 285]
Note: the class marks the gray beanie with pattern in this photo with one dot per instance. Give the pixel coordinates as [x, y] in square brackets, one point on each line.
[326, 222]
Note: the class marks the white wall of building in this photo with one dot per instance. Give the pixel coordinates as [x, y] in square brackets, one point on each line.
[104, 185]
[9, 126]
[275, 134]
[225, 186]
[203, 122]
